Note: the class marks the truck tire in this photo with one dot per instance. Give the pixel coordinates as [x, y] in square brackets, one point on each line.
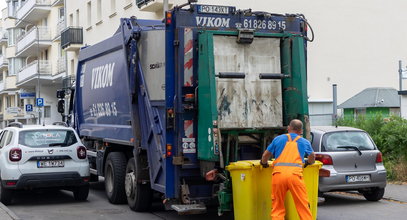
[115, 171]
[6, 195]
[139, 195]
[81, 193]
[374, 194]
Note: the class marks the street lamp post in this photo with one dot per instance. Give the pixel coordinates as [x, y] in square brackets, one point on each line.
[40, 112]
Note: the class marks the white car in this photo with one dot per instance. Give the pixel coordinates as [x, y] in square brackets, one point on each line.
[36, 156]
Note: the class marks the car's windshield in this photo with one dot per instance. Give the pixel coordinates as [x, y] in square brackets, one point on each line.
[47, 138]
[347, 140]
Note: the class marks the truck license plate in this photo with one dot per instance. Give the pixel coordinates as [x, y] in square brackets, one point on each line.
[50, 163]
[358, 178]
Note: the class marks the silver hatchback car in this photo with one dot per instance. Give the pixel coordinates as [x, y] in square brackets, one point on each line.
[351, 161]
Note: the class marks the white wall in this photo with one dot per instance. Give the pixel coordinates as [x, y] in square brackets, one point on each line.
[50, 99]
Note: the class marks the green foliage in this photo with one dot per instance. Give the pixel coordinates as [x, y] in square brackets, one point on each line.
[390, 136]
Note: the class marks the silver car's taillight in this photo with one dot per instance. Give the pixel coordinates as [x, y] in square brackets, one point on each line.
[379, 158]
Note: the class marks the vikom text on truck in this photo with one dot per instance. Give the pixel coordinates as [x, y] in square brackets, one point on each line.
[164, 106]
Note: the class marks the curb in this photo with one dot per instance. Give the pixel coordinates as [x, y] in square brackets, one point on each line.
[9, 212]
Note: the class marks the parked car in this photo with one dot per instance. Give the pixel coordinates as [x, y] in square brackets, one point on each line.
[351, 161]
[35, 156]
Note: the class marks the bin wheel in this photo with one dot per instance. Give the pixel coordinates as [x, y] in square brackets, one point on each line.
[115, 169]
[139, 195]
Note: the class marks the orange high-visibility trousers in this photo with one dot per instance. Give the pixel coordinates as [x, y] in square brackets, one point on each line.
[287, 175]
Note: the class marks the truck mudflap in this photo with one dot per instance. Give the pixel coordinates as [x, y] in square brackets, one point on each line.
[189, 209]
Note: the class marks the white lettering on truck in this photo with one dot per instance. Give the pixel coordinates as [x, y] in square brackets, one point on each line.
[102, 76]
[212, 22]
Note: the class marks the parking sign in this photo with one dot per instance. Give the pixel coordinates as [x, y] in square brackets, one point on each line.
[40, 102]
[28, 108]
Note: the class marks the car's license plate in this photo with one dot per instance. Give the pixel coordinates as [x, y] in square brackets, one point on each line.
[50, 163]
[358, 178]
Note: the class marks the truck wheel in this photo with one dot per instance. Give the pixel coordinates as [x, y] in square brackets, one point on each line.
[139, 195]
[374, 194]
[6, 195]
[115, 170]
[81, 193]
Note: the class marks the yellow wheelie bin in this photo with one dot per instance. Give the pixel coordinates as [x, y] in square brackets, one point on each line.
[251, 186]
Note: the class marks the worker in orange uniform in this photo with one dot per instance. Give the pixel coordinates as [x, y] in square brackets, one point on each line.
[289, 151]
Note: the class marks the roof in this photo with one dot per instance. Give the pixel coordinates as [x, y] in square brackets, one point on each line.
[333, 128]
[373, 97]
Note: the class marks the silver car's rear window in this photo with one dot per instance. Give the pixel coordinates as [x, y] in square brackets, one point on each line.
[47, 138]
[341, 141]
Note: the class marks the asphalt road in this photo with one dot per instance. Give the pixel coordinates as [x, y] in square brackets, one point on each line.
[58, 204]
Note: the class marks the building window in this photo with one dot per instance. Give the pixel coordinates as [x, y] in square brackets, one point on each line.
[47, 111]
[14, 66]
[71, 20]
[99, 10]
[89, 8]
[8, 101]
[61, 12]
[113, 6]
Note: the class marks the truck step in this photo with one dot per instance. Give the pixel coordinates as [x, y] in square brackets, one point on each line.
[190, 209]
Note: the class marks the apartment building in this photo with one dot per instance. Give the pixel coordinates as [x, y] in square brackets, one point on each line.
[33, 65]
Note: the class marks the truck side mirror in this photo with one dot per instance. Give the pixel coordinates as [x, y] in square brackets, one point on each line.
[61, 106]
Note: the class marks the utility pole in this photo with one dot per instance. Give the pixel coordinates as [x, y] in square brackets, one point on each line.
[334, 104]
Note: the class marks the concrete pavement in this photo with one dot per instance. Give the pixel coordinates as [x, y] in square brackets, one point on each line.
[7, 214]
[397, 192]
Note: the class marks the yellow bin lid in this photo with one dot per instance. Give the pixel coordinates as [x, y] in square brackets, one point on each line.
[244, 165]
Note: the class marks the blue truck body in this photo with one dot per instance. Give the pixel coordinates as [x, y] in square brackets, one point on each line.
[114, 112]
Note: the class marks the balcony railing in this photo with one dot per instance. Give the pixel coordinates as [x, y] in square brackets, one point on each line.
[31, 70]
[61, 64]
[28, 5]
[31, 36]
[60, 27]
[71, 35]
[141, 3]
[3, 61]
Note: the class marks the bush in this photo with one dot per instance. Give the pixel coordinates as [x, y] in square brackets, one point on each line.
[389, 134]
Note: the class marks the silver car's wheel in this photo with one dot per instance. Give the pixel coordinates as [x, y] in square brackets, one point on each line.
[374, 194]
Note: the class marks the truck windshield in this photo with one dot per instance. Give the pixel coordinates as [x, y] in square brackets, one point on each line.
[347, 140]
[47, 138]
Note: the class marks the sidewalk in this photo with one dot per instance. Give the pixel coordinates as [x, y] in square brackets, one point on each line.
[396, 192]
[7, 214]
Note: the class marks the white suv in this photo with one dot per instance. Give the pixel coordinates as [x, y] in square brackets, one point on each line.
[35, 156]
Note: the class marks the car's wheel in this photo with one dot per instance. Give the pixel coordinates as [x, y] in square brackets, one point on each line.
[6, 195]
[139, 195]
[115, 171]
[374, 194]
[81, 193]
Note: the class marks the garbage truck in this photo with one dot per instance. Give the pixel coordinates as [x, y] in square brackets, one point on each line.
[163, 106]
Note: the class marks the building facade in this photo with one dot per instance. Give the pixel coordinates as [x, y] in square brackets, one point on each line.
[33, 65]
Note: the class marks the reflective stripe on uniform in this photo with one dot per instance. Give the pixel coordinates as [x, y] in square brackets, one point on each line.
[288, 164]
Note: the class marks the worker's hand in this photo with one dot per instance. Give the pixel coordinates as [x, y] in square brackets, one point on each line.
[307, 163]
[264, 165]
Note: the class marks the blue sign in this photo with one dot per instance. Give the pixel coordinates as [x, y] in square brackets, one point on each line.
[28, 108]
[27, 95]
[40, 102]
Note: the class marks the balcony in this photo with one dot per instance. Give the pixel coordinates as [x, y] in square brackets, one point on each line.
[1, 86]
[32, 11]
[61, 64]
[152, 5]
[57, 3]
[27, 43]
[72, 38]
[28, 75]
[3, 37]
[60, 27]
[3, 62]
